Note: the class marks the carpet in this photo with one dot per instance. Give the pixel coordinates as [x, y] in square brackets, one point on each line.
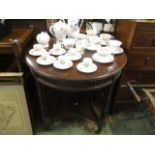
[124, 121]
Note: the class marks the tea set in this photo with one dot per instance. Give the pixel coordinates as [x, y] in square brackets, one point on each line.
[74, 54]
[71, 44]
[63, 62]
[37, 50]
[57, 50]
[103, 56]
[86, 66]
[45, 59]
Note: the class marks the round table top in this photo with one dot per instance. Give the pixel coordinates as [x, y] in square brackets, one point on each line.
[103, 70]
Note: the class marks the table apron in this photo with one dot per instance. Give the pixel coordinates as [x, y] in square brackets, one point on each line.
[76, 86]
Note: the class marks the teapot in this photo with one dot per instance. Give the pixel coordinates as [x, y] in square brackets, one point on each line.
[43, 38]
[59, 30]
[73, 27]
[91, 29]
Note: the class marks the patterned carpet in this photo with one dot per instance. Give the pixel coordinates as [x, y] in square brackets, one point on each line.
[124, 121]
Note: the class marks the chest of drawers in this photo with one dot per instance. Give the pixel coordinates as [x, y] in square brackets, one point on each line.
[138, 39]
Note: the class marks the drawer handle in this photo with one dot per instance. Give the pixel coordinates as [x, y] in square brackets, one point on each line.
[153, 42]
[76, 103]
[147, 61]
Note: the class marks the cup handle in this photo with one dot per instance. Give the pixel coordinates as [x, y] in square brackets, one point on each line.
[51, 30]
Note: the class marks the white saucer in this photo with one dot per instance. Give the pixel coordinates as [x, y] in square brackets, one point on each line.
[57, 53]
[115, 51]
[92, 47]
[36, 53]
[104, 43]
[81, 36]
[94, 39]
[45, 46]
[106, 36]
[46, 62]
[60, 66]
[100, 59]
[76, 57]
[118, 51]
[90, 69]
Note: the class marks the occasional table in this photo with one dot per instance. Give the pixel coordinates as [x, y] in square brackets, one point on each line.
[71, 81]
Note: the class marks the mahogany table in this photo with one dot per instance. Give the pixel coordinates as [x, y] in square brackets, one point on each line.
[73, 81]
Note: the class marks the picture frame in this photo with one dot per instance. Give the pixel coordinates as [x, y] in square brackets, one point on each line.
[14, 114]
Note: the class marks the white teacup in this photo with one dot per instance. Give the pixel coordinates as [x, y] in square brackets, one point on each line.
[73, 51]
[87, 61]
[103, 51]
[69, 43]
[80, 48]
[81, 36]
[57, 46]
[105, 36]
[45, 56]
[63, 59]
[37, 47]
[115, 43]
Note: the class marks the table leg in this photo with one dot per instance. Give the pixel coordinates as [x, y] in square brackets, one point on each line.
[117, 85]
[43, 106]
[95, 114]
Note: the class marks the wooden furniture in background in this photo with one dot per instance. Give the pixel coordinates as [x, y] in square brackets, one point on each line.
[37, 24]
[14, 44]
[138, 37]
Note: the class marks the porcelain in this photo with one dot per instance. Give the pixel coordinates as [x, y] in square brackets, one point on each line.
[98, 26]
[102, 59]
[57, 46]
[73, 54]
[115, 50]
[103, 51]
[104, 43]
[81, 36]
[33, 52]
[72, 50]
[92, 47]
[106, 36]
[37, 50]
[115, 43]
[45, 59]
[87, 61]
[91, 30]
[57, 52]
[43, 38]
[73, 27]
[94, 39]
[80, 47]
[37, 47]
[59, 30]
[63, 62]
[89, 69]
[69, 43]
